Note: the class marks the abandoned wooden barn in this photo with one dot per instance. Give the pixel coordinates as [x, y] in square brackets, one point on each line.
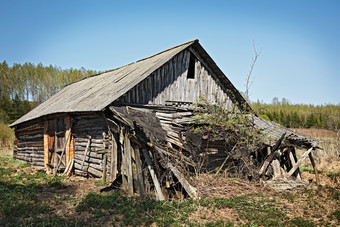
[132, 123]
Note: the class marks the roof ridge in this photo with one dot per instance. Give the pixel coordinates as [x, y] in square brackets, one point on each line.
[191, 41]
[143, 59]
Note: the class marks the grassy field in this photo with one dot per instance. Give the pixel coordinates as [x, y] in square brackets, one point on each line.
[31, 198]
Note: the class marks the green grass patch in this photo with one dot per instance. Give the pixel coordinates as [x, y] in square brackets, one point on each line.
[135, 212]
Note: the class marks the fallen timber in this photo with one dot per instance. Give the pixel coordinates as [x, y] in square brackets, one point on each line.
[150, 151]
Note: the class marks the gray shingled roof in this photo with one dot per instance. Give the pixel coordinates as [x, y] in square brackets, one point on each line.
[274, 131]
[96, 92]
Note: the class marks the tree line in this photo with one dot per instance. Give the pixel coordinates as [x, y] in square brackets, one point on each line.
[24, 86]
[299, 115]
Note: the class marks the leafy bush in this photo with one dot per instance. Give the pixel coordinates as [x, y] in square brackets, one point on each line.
[243, 140]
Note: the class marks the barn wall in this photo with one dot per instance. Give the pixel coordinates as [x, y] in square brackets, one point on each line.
[29, 143]
[93, 125]
[170, 83]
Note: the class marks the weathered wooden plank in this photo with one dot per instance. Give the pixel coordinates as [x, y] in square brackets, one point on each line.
[298, 163]
[314, 167]
[154, 178]
[127, 148]
[268, 161]
[293, 162]
[276, 168]
[89, 169]
[192, 191]
[86, 150]
[113, 166]
[123, 166]
[104, 168]
[139, 172]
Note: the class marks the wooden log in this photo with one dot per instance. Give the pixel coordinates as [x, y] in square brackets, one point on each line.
[55, 160]
[31, 144]
[293, 162]
[113, 166]
[127, 148]
[96, 166]
[159, 194]
[70, 168]
[268, 161]
[123, 165]
[89, 169]
[86, 150]
[276, 168]
[95, 145]
[298, 163]
[192, 191]
[104, 169]
[139, 172]
[89, 159]
[31, 127]
[92, 149]
[90, 154]
[314, 167]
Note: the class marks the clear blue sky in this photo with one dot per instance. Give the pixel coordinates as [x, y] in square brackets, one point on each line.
[299, 39]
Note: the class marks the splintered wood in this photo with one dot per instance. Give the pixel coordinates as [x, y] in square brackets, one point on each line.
[147, 150]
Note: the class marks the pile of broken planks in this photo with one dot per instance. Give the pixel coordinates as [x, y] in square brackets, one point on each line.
[130, 156]
[282, 166]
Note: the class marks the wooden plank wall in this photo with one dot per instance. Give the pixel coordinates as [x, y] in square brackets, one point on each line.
[93, 128]
[30, 144]
[170, 83]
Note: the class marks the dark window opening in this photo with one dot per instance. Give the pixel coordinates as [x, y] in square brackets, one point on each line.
[191, 69]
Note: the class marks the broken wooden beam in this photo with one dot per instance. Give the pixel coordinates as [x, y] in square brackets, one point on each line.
[86, 150]
[159, 194]
[298, 163]
[192, 191]
[314, 167]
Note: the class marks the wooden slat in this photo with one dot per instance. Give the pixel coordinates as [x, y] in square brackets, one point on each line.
[85, 152]
[314, 167]
[113, 169]
[292, 160]
[139, 172]
[192, 191]
[127, 149]
[154, 178]
[303, 157]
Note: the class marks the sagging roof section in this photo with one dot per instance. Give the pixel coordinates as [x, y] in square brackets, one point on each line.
[273, 131]
[96, 92]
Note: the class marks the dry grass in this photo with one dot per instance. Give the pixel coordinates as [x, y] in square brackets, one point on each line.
[224, 201]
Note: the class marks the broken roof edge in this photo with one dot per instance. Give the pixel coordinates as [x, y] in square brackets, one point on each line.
[272, 131]
[45, 116]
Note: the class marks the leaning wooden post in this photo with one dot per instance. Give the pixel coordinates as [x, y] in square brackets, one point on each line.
[159, 193]
[85, 152]
[139, 172]
[192, 192]
[46, 152]
[123, 153]
[317, 179]
[55, 160]
[113, 169]
[104, 168]
[303, 157]
[127, 149]
[292, 160]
